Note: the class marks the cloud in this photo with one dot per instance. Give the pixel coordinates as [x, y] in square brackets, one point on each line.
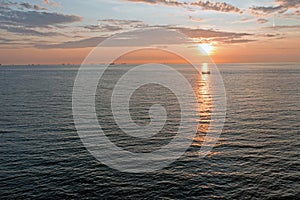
[209, 33]
[229, 40]
[284, 27]
[5, 40]
[164, 2]
[267, 10]
[31, 22]
[120, 21]
[37, 7]
[261, 21]
[204, 5]
[30, 6]
[243, 20]
[234, 41]
[26, 5]
[7, 4]
[196, 19]
[246, 19]
[281, 7]
[271, 35]
[26, 31]
[22, 5]
[111, 25]
[216, 6]
[289, 3]
[155, 38]
[34, 18]
[89, 42]
[51, 3]
[103, 28]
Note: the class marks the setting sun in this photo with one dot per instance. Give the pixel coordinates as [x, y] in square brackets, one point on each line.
[206, 47]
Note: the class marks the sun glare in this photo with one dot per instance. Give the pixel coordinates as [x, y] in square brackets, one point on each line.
[207, 48]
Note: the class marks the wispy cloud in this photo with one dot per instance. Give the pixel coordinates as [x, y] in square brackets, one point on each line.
[34, 18]
[196, 19]
[120, 21]
[156, 37]
[27, 31]
[27, 19]
[103, 28]
[200, 34]
[164, 2]
[204, 5]
[267, 9]
[281, 7]
[216, 6]
[243, 20]
[51, 3]
[284, 27]
[238, 41]
[89, 42]
[261, 21]
[26, 5]
[22, 5]
[289, 3]
[7, 4]
[269, 35]
[112, 25]
[31, 6]
[209, 33]
[6, 40]
[37, 7]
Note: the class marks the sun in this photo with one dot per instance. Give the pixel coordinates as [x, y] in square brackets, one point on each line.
[207, 48]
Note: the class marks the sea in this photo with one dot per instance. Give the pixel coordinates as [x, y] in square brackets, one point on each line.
[255, 157]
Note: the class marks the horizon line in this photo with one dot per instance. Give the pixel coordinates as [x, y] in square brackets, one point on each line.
[64, 64]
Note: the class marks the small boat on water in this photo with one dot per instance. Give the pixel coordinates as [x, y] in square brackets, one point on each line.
[207, 72]
[205, 69]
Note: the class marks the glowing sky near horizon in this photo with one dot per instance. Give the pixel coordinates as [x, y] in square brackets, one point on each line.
[50, 31]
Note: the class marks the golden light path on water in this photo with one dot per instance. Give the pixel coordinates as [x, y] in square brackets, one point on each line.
[204, 96]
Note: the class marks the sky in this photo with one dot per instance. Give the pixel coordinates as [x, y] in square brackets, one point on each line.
[65, 31]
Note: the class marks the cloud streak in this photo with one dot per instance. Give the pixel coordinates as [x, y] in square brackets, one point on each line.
[30, 6]
[204, 5]
[215, 35]
[35, 19]
[89, 42]
[216, 6]
[289, 3]
[26, 31]
[261, 21]
[284, 27]
[31, 21]
[209, 33]
[112, 25]
[267, 9]
[281, 7]
[164, 2]
[103, 28]
[22, 5]
[51, 3]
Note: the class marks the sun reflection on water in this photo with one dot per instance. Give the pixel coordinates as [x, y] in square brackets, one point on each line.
[205, 105]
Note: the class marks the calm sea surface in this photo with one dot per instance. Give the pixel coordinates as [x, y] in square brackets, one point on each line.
[257, 156]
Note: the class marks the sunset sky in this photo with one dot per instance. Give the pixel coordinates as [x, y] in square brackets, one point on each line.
[54, 32]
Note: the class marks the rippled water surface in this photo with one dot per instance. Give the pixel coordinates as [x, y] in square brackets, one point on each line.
[257, 155]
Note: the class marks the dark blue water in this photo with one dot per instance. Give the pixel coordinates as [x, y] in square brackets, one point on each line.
[257, 156]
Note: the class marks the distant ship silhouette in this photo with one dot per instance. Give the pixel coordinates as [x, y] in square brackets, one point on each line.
[207, 72]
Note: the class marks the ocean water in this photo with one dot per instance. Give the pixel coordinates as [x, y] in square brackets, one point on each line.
[256, 157]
